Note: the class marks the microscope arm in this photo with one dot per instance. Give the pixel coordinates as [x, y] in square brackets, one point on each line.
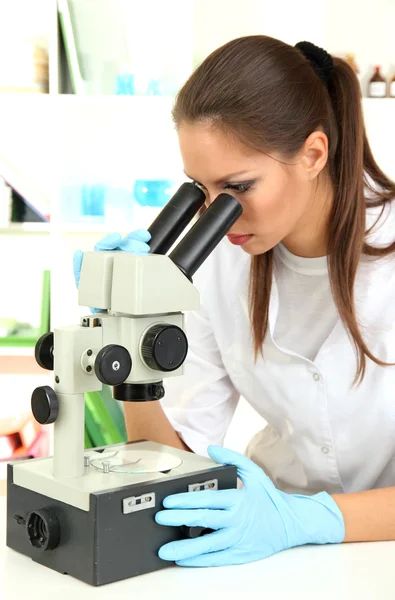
[76, 350]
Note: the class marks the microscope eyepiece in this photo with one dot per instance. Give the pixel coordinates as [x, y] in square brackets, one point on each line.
[174, 217]
[206, 234]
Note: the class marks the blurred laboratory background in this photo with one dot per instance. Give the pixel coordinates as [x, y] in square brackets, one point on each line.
[87, 146]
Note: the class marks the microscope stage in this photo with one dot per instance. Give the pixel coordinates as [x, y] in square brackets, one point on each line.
[113, 467]
[132, 461]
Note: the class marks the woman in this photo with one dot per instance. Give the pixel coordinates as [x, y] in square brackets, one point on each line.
[297, 310]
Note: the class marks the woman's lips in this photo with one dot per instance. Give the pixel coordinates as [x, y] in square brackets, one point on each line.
[239, 240]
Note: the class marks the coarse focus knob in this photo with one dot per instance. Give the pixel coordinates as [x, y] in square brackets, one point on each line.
[45, 405]
[113, 364]
[43, 351]
[164, 347]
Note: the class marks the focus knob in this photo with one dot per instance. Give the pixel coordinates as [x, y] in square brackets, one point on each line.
[113, 364]
[43, 351]
[164, 347]
[45, 405]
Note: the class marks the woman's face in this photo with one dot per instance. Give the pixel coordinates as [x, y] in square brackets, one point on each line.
[280, 201]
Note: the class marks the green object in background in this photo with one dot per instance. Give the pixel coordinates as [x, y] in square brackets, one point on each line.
[87, 442]
[100, 426]
[26, 336]
[115, 410]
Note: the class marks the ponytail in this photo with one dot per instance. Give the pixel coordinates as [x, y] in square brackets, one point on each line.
[354, 170]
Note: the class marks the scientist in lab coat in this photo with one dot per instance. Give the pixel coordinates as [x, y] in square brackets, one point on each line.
[297, 309]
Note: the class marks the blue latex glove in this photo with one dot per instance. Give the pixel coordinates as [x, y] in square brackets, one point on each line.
[251, 523]
[135, 242]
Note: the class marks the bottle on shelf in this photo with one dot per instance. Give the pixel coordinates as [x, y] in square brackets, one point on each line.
[391, 87]
[377, 86]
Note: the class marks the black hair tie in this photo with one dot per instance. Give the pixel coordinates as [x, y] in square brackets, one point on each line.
[321, 60]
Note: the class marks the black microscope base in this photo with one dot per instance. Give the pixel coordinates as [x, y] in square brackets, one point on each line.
[103, 545]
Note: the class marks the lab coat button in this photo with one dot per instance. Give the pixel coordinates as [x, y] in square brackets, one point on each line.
[316, 376]
[325, 450]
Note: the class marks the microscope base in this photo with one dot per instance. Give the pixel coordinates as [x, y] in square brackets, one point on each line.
[115, 537]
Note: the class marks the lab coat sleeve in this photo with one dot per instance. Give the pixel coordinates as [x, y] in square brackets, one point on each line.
[200, 403]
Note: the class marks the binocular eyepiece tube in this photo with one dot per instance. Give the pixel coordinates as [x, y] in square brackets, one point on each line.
[203, 237]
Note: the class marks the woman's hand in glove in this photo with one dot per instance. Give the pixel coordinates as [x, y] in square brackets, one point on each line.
[135, 242]
[249, 524]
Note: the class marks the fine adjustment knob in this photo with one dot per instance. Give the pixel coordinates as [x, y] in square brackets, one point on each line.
[45, 405]
[164, 347]
[43, 351]
[113, 364]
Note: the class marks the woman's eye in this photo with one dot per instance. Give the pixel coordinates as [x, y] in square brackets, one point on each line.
[239, 187]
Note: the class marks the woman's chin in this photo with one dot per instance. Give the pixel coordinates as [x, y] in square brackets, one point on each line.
[255, 247]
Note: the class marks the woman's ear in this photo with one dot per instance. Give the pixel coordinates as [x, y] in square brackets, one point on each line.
[314, 155]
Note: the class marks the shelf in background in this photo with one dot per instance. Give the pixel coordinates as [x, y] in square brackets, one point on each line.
[372, 101]
[11, 351]
[104, 229]
[11, 364]
[83, 228]
[18, 228]
[142, 218]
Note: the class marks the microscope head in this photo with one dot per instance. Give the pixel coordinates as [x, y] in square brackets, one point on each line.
[143, 298]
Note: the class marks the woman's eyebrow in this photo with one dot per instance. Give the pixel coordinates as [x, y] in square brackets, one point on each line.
[222, 179]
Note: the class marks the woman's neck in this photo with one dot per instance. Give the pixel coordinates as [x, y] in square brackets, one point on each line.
[310, 238]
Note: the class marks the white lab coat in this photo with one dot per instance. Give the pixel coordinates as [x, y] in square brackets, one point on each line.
[322, 434]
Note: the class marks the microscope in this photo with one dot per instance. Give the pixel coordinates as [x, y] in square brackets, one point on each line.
[90, 513]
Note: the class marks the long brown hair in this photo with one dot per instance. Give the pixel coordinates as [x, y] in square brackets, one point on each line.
[267, 94]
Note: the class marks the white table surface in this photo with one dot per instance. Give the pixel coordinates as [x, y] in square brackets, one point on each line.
[349, 571]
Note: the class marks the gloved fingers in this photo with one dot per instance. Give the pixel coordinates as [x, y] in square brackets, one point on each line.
[109, 242]
[77, 264]
[210, 519]
[143, 235]
[247, 470]
[231, 556]
[186, 549]
[219, 499]
[133, 245]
